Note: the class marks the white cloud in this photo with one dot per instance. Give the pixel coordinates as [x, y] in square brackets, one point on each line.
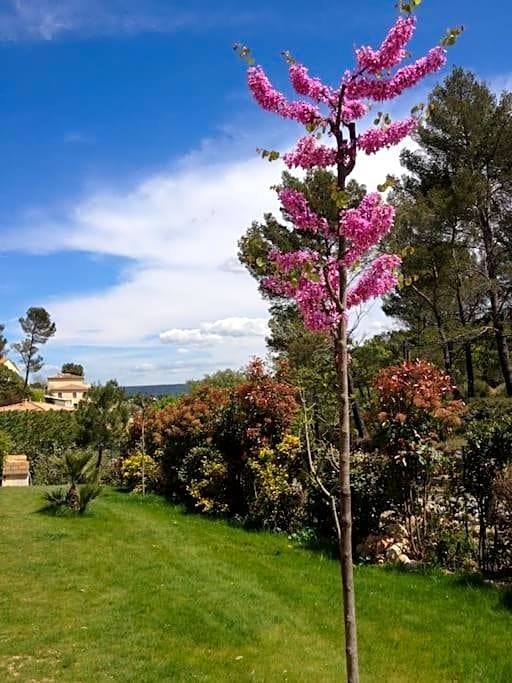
[178, 228]
[238, 327]
[192, 336]
[49, 19]
[218, 332]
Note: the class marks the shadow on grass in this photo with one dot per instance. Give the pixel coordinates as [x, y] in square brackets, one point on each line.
[506, 599]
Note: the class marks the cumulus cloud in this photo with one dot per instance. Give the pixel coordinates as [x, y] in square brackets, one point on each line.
[179, 229]
[217, 332]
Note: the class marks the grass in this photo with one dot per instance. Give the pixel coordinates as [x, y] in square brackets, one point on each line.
[139, 591]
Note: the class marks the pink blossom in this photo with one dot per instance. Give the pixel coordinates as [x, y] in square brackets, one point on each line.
[292, 260]
[379, 279]
[391, 52]
[272, 100]
[378, 138]
[309, 154]
[366, 225]
[303, 217]
[305, 84]
[317, 309]
[406, 77]
[352, 110]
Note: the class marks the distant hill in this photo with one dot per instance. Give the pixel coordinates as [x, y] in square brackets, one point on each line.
[157, 389]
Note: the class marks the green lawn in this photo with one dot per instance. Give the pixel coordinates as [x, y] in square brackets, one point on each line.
[138, 591]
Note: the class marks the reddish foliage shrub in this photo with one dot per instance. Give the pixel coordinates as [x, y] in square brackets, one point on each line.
[420, 393]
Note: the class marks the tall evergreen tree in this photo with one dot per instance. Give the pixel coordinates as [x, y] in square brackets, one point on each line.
[3, 340]
[465, 154]
[38, 328]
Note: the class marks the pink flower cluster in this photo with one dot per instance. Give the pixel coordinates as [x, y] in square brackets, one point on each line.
[305, 84]
[391, 52]
[309, 154]
[378, 138]
[366, 225]
[378, 280]
[272, 100]
[309, 292]
[352, 110]
[292, 260]
[303, 217]
[388, 88]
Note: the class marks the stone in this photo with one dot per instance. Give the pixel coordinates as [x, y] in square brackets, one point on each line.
[393, 552]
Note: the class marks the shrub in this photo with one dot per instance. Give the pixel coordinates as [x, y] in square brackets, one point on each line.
[131, 473]
[485, 475]
[279, 494]
[40, 436]
[415, 411]
[204, 475]
[5, 446]
[79, 470]
[11, 387]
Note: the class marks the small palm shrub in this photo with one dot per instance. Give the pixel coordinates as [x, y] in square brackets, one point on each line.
[79, 471]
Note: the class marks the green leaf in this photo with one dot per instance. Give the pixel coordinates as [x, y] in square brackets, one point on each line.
[260, 262]
[452, 34]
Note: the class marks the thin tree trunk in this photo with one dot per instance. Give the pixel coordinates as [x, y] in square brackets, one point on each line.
[356, 413]
[100, 459]
[491, 263]
[501, 341]
[346, 562]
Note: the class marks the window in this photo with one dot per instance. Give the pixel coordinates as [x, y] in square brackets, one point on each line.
[60, 394]
[74, 394]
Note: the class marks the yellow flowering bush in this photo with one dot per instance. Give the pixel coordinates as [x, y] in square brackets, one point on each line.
[131, 472]
[279, 492]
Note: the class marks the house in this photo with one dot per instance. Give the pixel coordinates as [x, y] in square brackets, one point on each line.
[32, 406]
[66, 390]
[15, 471]
[10, 365]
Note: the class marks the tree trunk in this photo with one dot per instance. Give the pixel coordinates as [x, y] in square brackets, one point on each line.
[470, 373]
[346, 563]
[491, 263]
[468, 352]
[501, 341]
[100, 459]
[356, 414]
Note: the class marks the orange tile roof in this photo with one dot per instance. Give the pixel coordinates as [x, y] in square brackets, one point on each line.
[32, 406]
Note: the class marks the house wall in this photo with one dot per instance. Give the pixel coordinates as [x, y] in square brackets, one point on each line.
[69, 398]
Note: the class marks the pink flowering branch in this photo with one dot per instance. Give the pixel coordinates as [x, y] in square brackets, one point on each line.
[376, 139]
[309, 154]
[406, 77]
[380, 279]
[392, 51]
[304, 218]
[272, 100]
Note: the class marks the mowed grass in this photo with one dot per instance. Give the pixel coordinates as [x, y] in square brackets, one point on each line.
[139, 591]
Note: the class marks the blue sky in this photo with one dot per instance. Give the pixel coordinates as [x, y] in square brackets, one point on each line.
[128, 168]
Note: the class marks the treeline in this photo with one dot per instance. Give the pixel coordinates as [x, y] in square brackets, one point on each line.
[454, 231]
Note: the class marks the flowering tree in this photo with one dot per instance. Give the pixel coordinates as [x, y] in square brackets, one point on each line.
[342, 271]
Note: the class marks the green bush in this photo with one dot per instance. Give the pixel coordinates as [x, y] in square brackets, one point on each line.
[486, 458]
[40, 436]
[5, 446]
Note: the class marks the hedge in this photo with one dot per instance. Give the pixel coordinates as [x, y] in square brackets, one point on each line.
[39, 436]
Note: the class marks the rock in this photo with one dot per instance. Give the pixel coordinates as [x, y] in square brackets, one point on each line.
[393, 552]
[387, 517]
[397, 531]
